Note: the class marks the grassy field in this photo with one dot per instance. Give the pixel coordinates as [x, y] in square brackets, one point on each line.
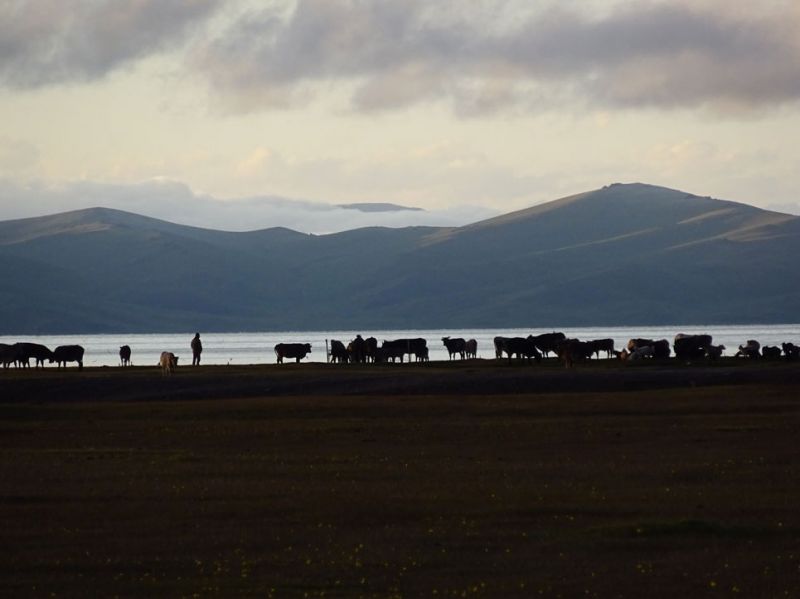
[600, 491]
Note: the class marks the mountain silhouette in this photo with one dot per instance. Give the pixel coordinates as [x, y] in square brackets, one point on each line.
[621, 255]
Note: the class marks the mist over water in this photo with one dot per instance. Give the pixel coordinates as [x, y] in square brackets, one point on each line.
[258, 348]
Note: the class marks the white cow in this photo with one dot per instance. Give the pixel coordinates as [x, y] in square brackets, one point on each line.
[168, 362]
[639, 353]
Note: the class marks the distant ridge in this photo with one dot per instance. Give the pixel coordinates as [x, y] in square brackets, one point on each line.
[625, 254]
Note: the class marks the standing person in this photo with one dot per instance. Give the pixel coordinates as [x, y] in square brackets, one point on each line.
[197, 349]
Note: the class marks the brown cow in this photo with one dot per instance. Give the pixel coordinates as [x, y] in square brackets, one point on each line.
[168, 362]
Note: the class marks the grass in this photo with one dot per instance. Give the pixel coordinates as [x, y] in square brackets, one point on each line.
[673, 491]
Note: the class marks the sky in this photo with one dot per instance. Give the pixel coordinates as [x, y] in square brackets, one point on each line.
[243, 115]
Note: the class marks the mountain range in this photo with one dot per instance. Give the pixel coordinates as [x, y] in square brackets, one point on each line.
[625, 254]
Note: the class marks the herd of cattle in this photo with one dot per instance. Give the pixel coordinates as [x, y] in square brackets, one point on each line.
[21, 354]
[689, 348]
[537, 347]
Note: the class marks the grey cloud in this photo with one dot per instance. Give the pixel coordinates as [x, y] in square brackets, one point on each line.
[45, 42]
[176, 202]
[664, 54]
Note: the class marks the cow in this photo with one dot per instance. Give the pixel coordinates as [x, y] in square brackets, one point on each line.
[357, 349]
[521, 347]
[389, 352]
[598, 345]
[498, 347]
[168, 363]
[339, 352]
[26, 351]
[372, 349]
[573, 350]
[548, 342]
[638, 342]
[455, 346]
[714, 352]
[422, 354]
[399, 347]
[471, 348]
[68, 353]
[125, 355]
[639, 353]
[749, 349]
[771, 352]
[790, 351]
[661, 349]
[297, 351]
[691, 347]
[8, 354]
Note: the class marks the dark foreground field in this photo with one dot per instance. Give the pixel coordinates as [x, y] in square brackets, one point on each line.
[448, 481]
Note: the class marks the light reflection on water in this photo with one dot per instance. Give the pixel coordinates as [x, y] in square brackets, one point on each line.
[257, 348]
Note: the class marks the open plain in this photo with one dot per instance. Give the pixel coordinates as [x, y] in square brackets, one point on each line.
[441, 480]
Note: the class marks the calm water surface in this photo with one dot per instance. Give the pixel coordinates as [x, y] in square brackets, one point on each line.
[257, 348]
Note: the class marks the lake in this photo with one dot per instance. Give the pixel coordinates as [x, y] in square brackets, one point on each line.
[257, 348]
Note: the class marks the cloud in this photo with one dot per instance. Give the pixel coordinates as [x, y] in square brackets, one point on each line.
[17, 157]
[390, 54]
[176, 202]
[480, 57]
[45, 42]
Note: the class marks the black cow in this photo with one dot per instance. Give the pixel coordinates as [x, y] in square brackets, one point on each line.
[339, 352]
[422, 354]
[598, 345]
[125, 355]
[455, 346]
[297, 351]
[574, 350]
[521, 347]
[68, 353]
[26, 351]
[399, 347]
[498, 346]
[358, 350]
[388, 352]
[548, 342]
[771, 352]
[471, 348]
[8, 354]
[791, 351]
[661, 349]
[372, 349]
[691, 347]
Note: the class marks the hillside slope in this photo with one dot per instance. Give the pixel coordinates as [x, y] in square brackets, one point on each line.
[624, 254]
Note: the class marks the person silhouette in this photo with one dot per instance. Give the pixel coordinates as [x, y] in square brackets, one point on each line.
[197, 349]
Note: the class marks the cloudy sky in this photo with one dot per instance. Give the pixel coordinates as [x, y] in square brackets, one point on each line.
[243, 114]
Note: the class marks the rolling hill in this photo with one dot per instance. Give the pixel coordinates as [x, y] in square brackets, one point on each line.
[623, 254]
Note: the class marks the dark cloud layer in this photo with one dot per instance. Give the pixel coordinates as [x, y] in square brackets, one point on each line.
[480, 56]
[44, 42]
[395, 54]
